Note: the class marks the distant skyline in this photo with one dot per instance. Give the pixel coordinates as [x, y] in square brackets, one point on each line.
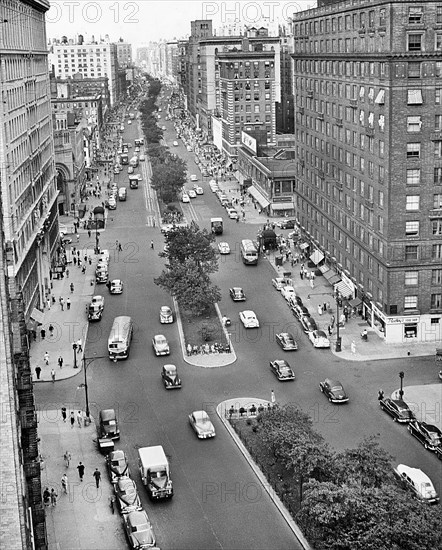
[143, 21]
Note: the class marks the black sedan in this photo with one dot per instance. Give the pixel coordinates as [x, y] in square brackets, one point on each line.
[333, 390]
[237, 294]
[117, 465]
[170, 377]
[308, 324]
[286, 341]
[397, 409]
[430, 436]
[299, 311]
[282, 370]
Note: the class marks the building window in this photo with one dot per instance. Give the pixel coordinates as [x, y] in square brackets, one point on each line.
[437, 201]
[438, 96]
[410, 302]
[412, 203]
[412, 229]
[414, 97]
[438, 123]
[414, 42]
[438, 176]
[411, 252]
[438, 42]
[414, 124]
[411, 278]
[437, 227]
[413, 176]
[415, 14]
[436, 301]
[438, 149]
[414, 69]
[439, 14]
[413, 150]
[436, 252]
[436, 276]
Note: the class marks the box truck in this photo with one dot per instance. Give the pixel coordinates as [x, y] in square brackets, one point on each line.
[155, 472]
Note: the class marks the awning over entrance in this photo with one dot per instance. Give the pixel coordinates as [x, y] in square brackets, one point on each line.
[37, 315]
[324, 268]
[343, 289]
[331, 276]
[355, 302]
[258, 196]
[317, 257]
[303, 246]
[282, 206]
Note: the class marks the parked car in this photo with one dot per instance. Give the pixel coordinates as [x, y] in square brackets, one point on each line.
[280, 282]
[299, 311]
[166, 315]
[160, 345]
[430, 436]
[130, 170]
[117, 465]
[96, 308]
[199, 191]
[189, 148]
[418, 482]
[193, 177]
[112, 203]
[170, 377]
[397, 409]
[282, 370]
[286, 341]
[232, 213]
[175, 143]
[286, 224]
[319, 339]
[308, 324]
[224, 248]
[249, 319]
[287, 292]
[191, 193]
[333, 390]
[139, 530]
[142, 157]
[108, 427]
[116, 286]
[237, 294]
[201, 424]
[185, 197]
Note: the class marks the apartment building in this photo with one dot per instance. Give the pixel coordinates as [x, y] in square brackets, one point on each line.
[124, 53]
[368, 108]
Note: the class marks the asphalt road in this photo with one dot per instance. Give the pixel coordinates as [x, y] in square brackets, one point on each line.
[218, 502]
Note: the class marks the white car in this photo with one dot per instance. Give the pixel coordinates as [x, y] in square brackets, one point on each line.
[129, 122]
[224, 248]
[175, 143]
[112, 203]
[116, 286]
[319, 339]
[288, 292]
[201, 424]
[166, 315]
[160, 345]
[214, 187]
[142, 158]
[191, 193]
[189, 148]
[163, 128]
[232, 213]
[212, 182]
[416, 480]
[185, 198]
[199, 191]
[249, 319]
[193, 178]
[130, 170]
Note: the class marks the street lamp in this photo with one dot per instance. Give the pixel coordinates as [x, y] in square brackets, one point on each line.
[74, 347]
[401, 391]
[86, 362]
[98, 217]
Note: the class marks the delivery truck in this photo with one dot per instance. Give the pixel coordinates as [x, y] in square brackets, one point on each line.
[155, 472]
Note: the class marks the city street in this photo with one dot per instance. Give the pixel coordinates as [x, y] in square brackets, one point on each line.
[218, 502]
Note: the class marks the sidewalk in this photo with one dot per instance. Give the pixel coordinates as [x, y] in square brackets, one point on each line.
[81, 519]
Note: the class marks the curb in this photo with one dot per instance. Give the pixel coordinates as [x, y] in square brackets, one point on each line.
[222, 408]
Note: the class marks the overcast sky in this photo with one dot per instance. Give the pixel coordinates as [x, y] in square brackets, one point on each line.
[142, 21]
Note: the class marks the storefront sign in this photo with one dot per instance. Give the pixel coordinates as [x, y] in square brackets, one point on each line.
[248, 141]
[397, 320]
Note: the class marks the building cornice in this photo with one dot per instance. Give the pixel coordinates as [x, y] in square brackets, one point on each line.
[40, 5]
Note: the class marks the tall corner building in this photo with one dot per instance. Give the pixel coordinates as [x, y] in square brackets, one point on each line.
[368, 123]
[28, 197]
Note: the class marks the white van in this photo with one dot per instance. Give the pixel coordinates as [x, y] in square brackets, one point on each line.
[155, 472]
[120, 338]
[419, 483]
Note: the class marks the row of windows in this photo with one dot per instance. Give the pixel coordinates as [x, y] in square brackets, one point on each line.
[412, 277]
[412, 252]
[411, 302]
[414, 150]
[413, 202]
[414, 176]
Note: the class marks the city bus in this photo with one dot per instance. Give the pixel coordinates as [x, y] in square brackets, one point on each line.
[120, 338]
[249, 252]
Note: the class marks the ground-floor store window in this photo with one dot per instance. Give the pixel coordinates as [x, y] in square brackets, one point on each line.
[410, 330]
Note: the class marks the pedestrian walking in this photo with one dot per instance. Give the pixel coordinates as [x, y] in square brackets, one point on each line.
[324, 307]
[151, 244]
[51, 330]
[72, 287]
[80, 469]
[46, 496]
[79, 418]
[72, 419]
[312, 283]
[46, 358]
[74, 260]
[319, 309]
[53, 497]
[64, 483]
[79, 262]
[79, 345]
[330, 330]
[48, 303]
[332, 321]
[380, 395]
[63, 413]
[83, 269]
[116, 245]
[89, 233]
[61, 303]
[97, 476]
[67, 273]
[43, 333]
[68, 303]
[301, 274]
[112, 503]
[60, 362]
[53, 375]
[78, 238]
[120, 248]
[38, 371]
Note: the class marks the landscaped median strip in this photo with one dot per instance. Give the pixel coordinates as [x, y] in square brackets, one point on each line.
[250, 406]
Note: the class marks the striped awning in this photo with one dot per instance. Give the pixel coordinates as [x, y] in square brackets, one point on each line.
[323, 269]
[282, 206]
[303, 246]
[343, 290]
[258, 196]
[317, 257]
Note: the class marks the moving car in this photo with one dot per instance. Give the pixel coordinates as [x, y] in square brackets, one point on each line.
[430, 436]
[166, 315]
[213, 186]
[249, 319]
[319, 339]
[117, 465]
[201, 424]
[397, 409]
[139, 530]
[191, 193]
[308, 323]
[160, 345]
[185, 197]
[95, 309]
[299, 311]
[224, 248]
[282, 370]
[199, 190]
[170, 377]
[287, 292]
[232, 213]
[163, 128]
[130, 169]
[286, 341]
[175, 143]
[108, 427]
[142, 157]
[280, 282]
[333, 390]
[193, 178]
[418, 482]
[101, 274]
[237, 294]
[116, 286]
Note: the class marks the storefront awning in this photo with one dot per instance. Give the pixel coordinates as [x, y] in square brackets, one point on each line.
[258, 196]
[355, 302]
[343, 289]
[323, 269]
[37, 315]
[303, 246]
[317, 257]
[331, 276]
[282, 206]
